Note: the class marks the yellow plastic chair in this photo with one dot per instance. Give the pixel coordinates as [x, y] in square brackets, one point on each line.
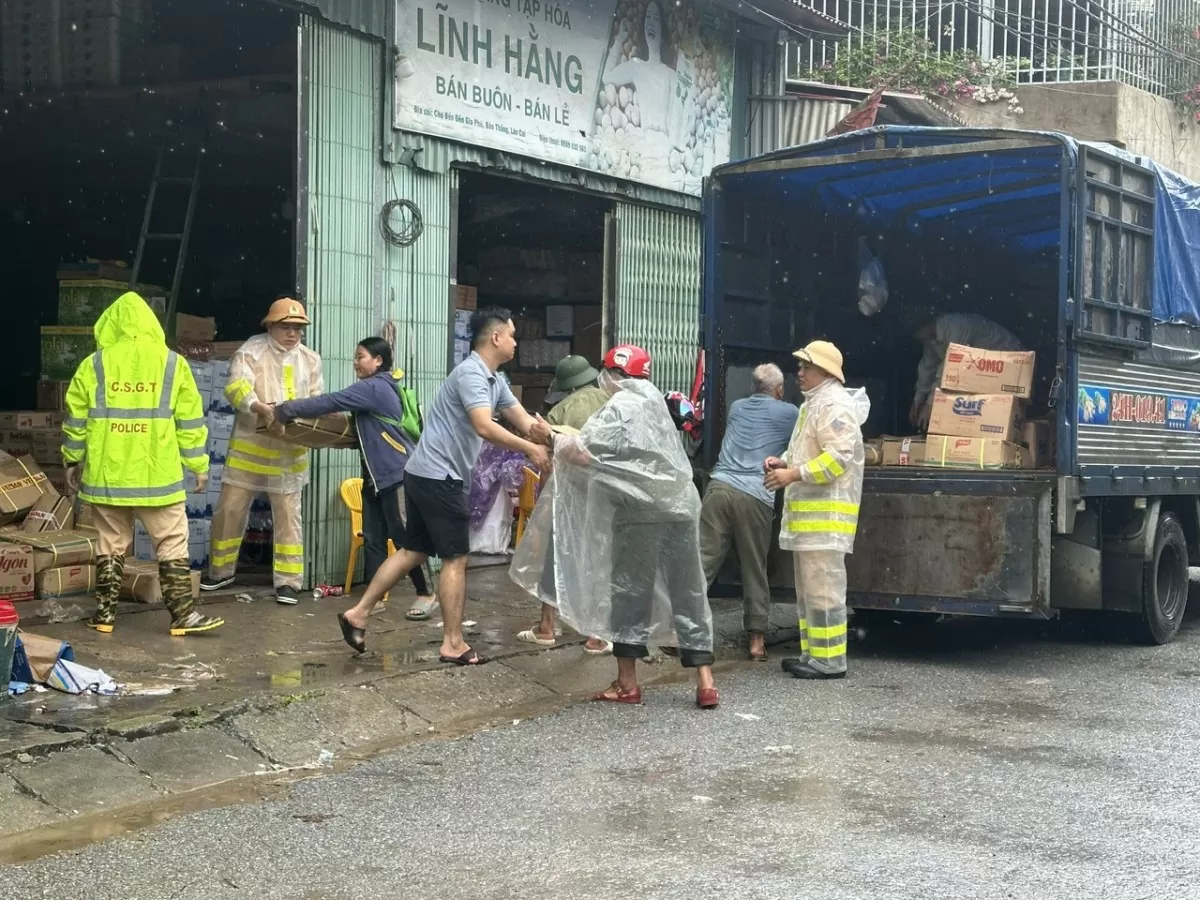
[351, 491]
[526, 500]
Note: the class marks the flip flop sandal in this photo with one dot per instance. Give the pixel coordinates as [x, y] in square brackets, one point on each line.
[468, 658]
[530, 637]
[355, 637]
[759, 657]
[421, 609]
[607, 648]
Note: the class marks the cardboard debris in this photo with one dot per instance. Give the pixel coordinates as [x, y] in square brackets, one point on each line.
[53, 549]
[24, 420]
[22, 483]
[65, 581]
[970, 370]
[948, 452]
[334, 430]
[50, 513]
[976, 415]
[16, 572]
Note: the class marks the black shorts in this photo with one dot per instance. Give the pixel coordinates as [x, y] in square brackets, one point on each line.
[438, 522]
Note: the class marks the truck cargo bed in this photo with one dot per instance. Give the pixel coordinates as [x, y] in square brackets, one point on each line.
[956, 542]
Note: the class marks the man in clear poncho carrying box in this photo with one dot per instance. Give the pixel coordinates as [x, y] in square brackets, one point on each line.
[624, 515]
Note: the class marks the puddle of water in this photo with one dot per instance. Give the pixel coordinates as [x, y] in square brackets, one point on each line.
[315, 673]
[69, 836]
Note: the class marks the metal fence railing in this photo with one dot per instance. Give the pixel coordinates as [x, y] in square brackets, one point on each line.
[1149, 44]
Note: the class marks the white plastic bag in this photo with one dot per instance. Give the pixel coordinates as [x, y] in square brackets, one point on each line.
[872, 282]
[495, 534]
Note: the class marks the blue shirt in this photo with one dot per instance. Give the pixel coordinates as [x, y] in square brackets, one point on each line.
[758, 426]
[449, 445]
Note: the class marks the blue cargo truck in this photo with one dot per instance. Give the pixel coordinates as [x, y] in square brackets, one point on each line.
[1088, 254]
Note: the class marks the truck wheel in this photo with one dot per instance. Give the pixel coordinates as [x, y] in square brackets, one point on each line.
[1165, 586]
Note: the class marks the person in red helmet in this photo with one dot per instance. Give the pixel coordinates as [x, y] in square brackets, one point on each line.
[625, 516]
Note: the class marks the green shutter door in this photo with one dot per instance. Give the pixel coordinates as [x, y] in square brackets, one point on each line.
[658, 289]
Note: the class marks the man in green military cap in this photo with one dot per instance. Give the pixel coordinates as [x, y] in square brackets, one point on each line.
[575, 377]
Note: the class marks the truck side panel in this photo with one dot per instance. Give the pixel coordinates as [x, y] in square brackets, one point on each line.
[975, 543]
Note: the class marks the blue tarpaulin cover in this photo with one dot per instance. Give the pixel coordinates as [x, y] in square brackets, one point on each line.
[935, 195]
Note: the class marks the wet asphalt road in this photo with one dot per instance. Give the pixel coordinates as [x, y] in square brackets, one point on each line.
[985, 761]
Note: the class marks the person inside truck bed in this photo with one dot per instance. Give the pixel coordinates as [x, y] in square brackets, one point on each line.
[952, 328]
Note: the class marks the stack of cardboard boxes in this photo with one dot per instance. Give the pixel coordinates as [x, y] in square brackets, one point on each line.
[978, 417]
[978, 413]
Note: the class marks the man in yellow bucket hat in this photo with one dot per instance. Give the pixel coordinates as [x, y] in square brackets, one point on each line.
[269, 368]
[822, 474]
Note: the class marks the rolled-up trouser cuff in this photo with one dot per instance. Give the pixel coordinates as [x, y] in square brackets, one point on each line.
[757, 623]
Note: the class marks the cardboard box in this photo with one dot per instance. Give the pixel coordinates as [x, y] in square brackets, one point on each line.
[16, 572]
[1037, 440]
[202, 372]
[949, 452]
[56, 478]
[65, 581]
[54, 549]
[140, 582]
[224, 350]
[29, 419]
[903, 451]
[63, 348]
[969, 370]
[873, 452]
[50, 513]
[199, 532]
[195, 329]
[976, 415]
[143, 547]
[52, 395]
[22, 483]
[45, 446]
[332, 431]
[80, 302]
[464, 296]
[220, 426]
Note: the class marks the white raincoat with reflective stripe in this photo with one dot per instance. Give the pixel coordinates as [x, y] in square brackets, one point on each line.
[821, 510]
[261, 370]
[134, 416]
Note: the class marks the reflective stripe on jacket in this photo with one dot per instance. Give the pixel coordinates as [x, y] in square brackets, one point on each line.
[820, 511]
[134, 416]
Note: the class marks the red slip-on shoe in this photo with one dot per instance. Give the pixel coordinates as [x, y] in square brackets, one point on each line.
[707, 698]
[616, 694]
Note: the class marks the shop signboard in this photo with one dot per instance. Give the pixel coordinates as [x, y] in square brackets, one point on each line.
[635, 89]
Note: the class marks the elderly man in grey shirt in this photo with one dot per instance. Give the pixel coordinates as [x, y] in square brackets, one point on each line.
[738, 510]
[438, 476]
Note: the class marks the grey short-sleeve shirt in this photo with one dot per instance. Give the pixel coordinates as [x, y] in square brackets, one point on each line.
[449, 445]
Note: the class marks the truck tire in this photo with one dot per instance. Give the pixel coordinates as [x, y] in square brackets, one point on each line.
[1165, 585]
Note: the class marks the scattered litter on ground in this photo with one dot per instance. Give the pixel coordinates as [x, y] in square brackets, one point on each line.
[54, 612]
[73, 678]
[749, 717]
[24, 758]
[245, 598]
[17, 688]
[325, 758]
[786, 748]
[466, 624]
[700, 798]
[139, 690]
[193, 672]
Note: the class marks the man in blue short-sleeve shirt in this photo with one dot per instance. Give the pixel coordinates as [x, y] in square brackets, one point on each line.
[438, 476]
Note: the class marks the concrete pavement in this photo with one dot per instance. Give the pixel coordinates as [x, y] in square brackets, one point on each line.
[273, 696]
[978, 761]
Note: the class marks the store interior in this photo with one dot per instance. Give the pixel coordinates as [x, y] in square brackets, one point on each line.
[88, 103]
[539, 252]
[984, 243]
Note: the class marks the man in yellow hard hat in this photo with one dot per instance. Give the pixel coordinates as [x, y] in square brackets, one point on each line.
[822, 474]
[268, 369]
[134, 421]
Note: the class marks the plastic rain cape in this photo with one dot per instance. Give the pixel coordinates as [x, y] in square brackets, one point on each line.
[614, 539]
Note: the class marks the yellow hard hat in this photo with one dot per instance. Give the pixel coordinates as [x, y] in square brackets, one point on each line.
[286, 311]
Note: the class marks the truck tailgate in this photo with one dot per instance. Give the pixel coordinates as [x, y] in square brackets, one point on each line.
[975, 543]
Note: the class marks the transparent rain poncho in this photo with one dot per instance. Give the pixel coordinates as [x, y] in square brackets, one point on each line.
[614, 539]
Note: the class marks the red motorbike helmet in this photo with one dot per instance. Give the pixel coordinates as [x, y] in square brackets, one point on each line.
[629, 360]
